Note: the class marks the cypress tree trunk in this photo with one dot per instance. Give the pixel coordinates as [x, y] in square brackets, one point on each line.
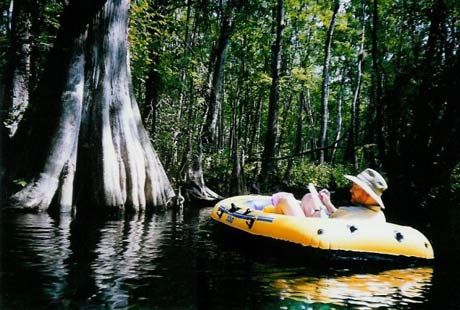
[298, 137]
[17, 79]
[152, 93]
[339, 119]
[154, 81]
[211, 125]
[271, 136]
[306, 103]
[236, 179]
[325, 84]
[99, 145]
[188, 43]
[354, 126]
[190, 172]
[377, 82]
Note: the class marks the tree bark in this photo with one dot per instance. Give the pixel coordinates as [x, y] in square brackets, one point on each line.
[211, 126]
[190, 174]
[354, 126]
[306, 103]
[154, 81]
[236, 179]
[152, 94]
[99, 146]
[377, 82]
[188, 43]
[271, 136]
[339, 119]
[17, 83]
[325, 83]
[298, 137]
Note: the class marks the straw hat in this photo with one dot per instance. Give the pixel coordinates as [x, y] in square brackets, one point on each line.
[372, 183]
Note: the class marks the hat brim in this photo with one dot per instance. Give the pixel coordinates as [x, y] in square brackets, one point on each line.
[367, 189]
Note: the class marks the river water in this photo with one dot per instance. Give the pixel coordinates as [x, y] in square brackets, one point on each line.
[173, 260]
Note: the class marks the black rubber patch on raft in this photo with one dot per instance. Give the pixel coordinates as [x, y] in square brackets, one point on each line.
[399, 236]
[352, 228]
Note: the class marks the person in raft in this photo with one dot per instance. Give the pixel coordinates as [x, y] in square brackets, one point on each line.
[367, 188]
[285, 203]
[366, 193]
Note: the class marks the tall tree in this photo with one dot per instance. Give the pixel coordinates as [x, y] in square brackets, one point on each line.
[377, 80]
[325, 83]
[354, 117]
[99, 153]
[211, 125]
[17, 78]
[421, 127]
[153, 82]
[271, 136]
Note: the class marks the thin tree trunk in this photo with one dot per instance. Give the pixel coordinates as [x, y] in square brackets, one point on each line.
[298, 137]
[191, 170]
[339, 119]
[306, 103]
[377, 82]
[271, 136]
[325, 83]
[356, 95]
[152, 94]
[236, 179]
[284, 116]
[116, 166]
[255, 127]
[154, 81]
[215, 92]
[182, 81]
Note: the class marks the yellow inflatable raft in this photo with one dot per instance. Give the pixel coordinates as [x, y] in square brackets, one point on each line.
[245, 213]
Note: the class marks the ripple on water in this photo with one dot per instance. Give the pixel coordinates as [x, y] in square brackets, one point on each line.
[172, 260]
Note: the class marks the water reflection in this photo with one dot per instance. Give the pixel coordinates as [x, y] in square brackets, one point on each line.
[390, 288]
[34, 250]
[171, 260]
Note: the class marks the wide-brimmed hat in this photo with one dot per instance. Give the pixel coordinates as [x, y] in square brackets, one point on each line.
[372, 183]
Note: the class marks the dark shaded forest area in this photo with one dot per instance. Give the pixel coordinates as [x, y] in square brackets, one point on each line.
[235, 96]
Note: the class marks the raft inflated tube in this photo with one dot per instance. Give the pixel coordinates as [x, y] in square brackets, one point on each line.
[246, 213]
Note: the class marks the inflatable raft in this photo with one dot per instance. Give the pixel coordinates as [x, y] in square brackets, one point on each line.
[245, 213]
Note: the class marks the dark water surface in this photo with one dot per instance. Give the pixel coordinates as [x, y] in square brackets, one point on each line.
[174, 260]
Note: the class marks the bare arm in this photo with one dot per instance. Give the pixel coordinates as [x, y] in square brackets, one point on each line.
[325, 197]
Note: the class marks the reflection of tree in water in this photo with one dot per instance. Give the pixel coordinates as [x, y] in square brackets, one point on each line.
[389, 288]
[117, 261]
[171, 260]
[143, 259]
[35, 248]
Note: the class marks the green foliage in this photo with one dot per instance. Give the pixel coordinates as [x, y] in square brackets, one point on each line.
[327, 176]
[178, 42]
[218, 169]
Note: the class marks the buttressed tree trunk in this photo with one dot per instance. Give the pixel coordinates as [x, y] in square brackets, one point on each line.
[100, 153]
